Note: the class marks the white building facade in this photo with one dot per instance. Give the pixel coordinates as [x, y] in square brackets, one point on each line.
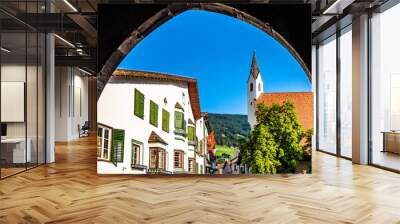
[201, 153]
[149, 123]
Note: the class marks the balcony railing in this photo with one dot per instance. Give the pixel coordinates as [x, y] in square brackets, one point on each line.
[158, 171]
[138, 166]
[180, 132]
[180, 171]
[192, 142]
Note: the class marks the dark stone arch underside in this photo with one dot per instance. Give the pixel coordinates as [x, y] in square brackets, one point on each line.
[175, 9]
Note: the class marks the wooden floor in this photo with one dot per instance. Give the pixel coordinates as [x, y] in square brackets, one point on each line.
[5, 172]
[70, 191]
[387, 159]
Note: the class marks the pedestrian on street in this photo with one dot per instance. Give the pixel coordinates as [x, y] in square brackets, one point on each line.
[227, 167]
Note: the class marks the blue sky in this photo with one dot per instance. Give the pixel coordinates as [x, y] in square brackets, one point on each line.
[217, 50]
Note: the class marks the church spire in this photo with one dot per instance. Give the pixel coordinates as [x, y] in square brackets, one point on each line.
[254, 71]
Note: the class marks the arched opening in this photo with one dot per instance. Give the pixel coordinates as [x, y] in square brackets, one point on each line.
[173, 10]
[136, 94]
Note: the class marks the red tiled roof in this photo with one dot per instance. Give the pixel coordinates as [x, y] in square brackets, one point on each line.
[303, 102]
[192, 84]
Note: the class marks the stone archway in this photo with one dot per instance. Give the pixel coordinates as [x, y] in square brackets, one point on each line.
[173, 10]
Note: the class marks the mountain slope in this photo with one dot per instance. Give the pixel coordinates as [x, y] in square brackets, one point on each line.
[229, 128]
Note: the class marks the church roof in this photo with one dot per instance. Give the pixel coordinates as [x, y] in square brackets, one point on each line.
[303, 103]
[254, 70]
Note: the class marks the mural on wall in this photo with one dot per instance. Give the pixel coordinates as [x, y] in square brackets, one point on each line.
[205, 91]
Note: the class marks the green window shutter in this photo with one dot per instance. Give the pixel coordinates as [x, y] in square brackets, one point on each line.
[141, 109]
[153, 113]
[178, 120]
[117, 146]
[191, 133]
[165, 120]
[139, 104]
[156, 114]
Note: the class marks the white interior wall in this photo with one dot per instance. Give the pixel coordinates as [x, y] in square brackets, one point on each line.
[71, 102]
[33, 127]
[16, 73]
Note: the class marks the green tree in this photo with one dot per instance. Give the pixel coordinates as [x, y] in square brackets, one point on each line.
[275, 140]
[261, 152]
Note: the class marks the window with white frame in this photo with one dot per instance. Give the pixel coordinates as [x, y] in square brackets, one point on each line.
[136, 154]
[191, 165]
[157, 158]
[178, 159]
[103, 143]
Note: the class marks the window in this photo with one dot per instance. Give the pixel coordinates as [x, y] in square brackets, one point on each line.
[191, 165]
[165, 120]
[251, 87]
[191, 133]
[385, 88]
[178, 159]
[139, 104]
[201, 147]
[346, 92]
[327, 95]
[157, 158]
[179, 120]
[22, 60]
[259, 86]
[106, 144]
[136, 154]
[153, 113]
[103, 143]
[99, 141]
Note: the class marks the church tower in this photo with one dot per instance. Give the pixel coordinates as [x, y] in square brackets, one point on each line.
[255, 88]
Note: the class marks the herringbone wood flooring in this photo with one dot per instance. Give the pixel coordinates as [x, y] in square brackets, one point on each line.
[70, 191]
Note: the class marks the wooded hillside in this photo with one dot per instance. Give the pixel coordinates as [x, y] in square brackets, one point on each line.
[229, 128]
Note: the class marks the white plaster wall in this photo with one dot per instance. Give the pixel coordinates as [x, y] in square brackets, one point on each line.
[115, 108]
[202, 134]
[200, 162]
